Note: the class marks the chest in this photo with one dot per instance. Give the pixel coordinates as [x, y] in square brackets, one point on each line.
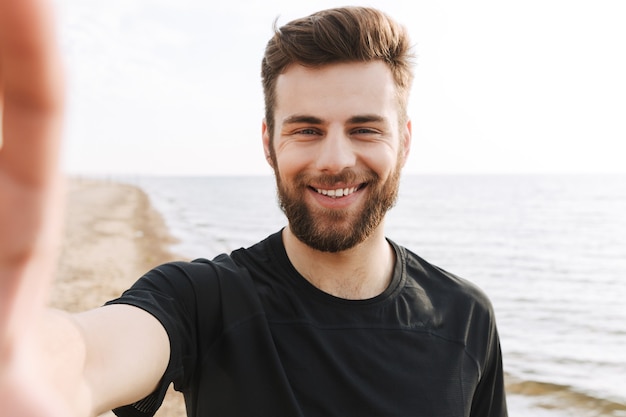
[374, 371]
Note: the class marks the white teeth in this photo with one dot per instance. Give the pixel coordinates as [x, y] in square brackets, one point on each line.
[337, 193]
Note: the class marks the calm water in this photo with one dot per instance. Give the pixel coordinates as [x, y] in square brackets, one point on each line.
[549, 250]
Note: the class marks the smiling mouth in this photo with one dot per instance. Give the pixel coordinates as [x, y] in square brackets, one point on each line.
[338, 192]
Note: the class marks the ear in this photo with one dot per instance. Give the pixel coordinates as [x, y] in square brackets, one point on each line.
[266, 143]
[406, 136]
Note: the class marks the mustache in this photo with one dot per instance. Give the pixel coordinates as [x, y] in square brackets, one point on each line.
[347, 176]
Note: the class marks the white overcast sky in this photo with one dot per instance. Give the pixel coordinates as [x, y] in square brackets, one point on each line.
[172, 87]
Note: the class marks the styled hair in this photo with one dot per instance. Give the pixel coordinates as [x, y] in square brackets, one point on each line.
[346, 34]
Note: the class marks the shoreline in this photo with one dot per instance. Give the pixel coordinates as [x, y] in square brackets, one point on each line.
[111, 236]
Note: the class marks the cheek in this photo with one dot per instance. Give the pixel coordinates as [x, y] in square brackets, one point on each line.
[290, 160]
[382, 163]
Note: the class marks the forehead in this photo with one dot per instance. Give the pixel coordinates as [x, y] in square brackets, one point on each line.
[336, 90]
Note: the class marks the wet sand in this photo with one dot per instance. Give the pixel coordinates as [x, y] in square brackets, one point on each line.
[112, 236]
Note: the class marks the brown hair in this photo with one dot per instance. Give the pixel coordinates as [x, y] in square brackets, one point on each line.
[347, 34]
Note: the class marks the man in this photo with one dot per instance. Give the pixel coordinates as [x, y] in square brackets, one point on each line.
[326, 317]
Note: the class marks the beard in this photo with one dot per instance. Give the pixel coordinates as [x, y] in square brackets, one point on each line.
[336, 230]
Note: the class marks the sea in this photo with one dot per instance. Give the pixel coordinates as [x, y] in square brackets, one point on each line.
[549, 250]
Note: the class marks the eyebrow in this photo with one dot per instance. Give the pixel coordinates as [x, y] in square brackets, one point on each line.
[300, 118]
[365, 118]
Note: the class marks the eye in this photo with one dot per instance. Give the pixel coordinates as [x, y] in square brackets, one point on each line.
[365, 131]
[307, 131]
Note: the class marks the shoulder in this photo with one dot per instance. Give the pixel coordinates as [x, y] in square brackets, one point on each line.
[183, 273]
[443, 285]
[458, 309]
[225, 274]
[191, 284]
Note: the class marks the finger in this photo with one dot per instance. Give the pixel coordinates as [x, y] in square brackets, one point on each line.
[32, 90]
[28, 51]
[30, 72]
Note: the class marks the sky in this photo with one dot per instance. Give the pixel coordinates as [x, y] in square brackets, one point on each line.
[172, 87]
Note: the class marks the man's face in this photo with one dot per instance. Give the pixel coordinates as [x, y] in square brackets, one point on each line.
[337, 151]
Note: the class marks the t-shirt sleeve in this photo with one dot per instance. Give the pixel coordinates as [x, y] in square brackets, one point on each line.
[171, 293]
[489, 398]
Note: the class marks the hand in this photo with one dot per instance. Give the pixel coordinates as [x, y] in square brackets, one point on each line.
[31, 102]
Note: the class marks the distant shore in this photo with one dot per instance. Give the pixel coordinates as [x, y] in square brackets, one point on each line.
[112, 236]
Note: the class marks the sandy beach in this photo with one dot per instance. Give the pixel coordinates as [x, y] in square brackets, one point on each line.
[112, 236]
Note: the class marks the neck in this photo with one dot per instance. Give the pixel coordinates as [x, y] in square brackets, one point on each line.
[361, 272]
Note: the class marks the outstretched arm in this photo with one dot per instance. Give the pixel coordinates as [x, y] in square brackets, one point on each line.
[52, 364]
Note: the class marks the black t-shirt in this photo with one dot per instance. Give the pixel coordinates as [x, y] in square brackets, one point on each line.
[251, 337]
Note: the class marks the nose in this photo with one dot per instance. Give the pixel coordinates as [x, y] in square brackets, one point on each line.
[335, 153]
